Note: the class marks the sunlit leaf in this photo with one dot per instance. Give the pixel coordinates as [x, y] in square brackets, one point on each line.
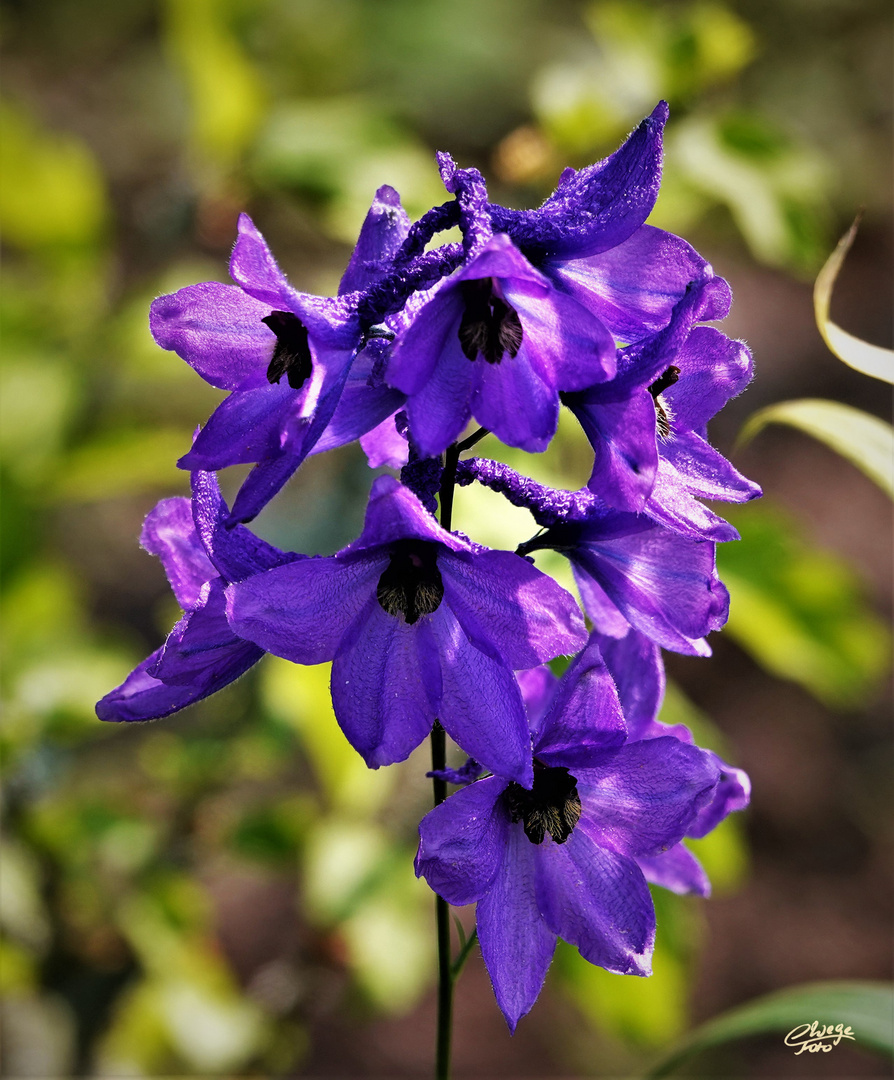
[774, 187]
[300, 696]
[53, 191]
[863, 439]
[870, 359]
[800, 611]
[124, 463]
[867, 1008]
[226, 92]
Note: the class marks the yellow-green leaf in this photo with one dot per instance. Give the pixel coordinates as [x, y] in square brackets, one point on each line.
[863, 439]
[870, 359]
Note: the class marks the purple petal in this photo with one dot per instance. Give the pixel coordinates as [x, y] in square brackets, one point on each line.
[598, 207]
[637, 668]
[597, 900]
[516, 943]
[245, 428]
[665, 585]
[302, 611]
[378, 688]
[361, 410]
[517, 401]
[537, 685]
[394, 513]
[585, 716]
[253, 267]
[434, 330]
[573, 347]
[672, 505]
[383, 231]
[463, 841]
[235, 552]
[705, 471]
[441, 409]
[169, 533]
[733, 792]
[385, 445]
[622, 435]
[676, 869]
[713, 369]
[643, 797]
[633, 287]
[202, 651]
[142, 697]
[509, 609]
[217, 330]
[481, 706]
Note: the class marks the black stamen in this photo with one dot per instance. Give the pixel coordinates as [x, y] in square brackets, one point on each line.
[411, 584]
[291, 354]
[489, 326]
[552, 806]
[662, 413]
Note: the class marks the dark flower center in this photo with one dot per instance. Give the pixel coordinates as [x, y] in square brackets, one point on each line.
[551, 806]
[489, 326]
[291, 354]
[411, 584]
[662, 413]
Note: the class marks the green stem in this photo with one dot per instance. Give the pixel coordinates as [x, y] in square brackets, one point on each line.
[448, 970]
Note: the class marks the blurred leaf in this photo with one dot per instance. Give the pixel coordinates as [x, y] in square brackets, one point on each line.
[870, 359]
[799, 611]
[863, 439]
[226, 93]
[775, 188]
[22, 912]
[300, 696]
[37, 398]
[119, 463]
[390, 939]
[866, 1007]
[338, 152]
[52, 192]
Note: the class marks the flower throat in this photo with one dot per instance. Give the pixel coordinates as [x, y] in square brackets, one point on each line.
[551, 806]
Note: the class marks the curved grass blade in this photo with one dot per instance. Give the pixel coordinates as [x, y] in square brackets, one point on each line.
[866, 1007]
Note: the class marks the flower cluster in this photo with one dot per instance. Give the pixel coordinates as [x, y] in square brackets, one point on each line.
[574, 796]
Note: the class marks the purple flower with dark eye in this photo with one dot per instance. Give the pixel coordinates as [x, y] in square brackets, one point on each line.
[496, 341]
[631, 571]
[202, 654]
[286, 357]
[560, 859]
[420, 624]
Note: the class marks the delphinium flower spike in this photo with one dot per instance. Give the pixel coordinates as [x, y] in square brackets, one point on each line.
[560, 859]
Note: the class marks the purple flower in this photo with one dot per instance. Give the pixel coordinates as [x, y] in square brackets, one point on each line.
[287, 358]
[637, 669]
[498, 342]
[201, 654]
[420, 624]
[631, 420]
[560, 860]
[631, 571]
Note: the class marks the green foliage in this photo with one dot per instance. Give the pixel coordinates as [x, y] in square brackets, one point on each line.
[870, 359]
[863, 439]
[799, 611]
[865, 1007]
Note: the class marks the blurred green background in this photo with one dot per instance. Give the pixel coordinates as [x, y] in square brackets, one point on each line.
[229, 891]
